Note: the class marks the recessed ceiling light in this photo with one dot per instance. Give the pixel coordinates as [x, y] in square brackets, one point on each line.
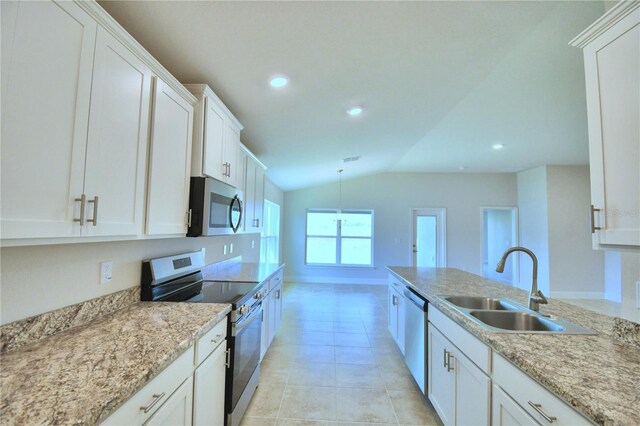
[497, 146]
[356, 110]
[462, 168]
[279, 81]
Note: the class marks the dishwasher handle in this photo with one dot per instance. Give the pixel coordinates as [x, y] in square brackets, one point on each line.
[416, 299]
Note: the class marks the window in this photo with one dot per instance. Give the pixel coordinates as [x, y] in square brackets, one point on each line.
[270, 240]
[346, 240]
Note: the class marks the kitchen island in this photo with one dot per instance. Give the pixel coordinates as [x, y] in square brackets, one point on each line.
[597, 375]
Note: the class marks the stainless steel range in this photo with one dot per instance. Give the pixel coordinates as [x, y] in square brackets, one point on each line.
[179, 278]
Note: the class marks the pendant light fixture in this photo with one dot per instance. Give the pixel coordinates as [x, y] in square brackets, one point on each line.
[339, 214]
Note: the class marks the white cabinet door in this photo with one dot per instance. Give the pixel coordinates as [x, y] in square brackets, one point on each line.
[473, 392]
[273, 313]
[208, 389]
[264, 336]
[230, 153]
[441, 389]
[47, 64]
[169, 162]
[177, 410]
[393, 314]
[402, 306]
[258, 199]
[505, 411]
[213, 141]
[117, 143]
[278, 306]
[612, 77]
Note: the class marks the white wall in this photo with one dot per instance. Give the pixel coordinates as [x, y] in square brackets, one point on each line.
[573, 264]
[554, 204]
[392, 196]
[533, 225]
[39, 279]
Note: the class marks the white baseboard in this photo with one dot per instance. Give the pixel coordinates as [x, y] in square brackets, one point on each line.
[577, 294]
[337, 280]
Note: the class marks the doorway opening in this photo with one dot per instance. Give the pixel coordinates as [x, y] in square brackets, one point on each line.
[499, 232]
[429, 237]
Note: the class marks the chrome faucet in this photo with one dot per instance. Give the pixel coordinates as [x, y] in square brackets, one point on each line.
[536, 298]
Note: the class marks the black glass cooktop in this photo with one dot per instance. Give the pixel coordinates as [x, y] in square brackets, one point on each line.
[224, 292]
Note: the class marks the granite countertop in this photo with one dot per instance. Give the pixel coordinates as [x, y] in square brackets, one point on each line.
[242, 272]
[83, 374]
[598, 375]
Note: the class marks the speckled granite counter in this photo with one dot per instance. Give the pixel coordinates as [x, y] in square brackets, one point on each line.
[598, 375]
[241, 272]
[83, 374]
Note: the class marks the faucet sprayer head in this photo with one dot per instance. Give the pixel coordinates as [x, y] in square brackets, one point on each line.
[500, 265]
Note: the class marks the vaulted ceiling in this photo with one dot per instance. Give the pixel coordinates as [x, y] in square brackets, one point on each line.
[440, 82]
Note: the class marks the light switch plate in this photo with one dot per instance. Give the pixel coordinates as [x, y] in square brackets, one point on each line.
[224, 249]
[230, 248]
[253, 243]
[106, 270]
[638, 294]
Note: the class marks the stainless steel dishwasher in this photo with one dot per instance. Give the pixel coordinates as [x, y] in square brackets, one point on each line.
[415, 338]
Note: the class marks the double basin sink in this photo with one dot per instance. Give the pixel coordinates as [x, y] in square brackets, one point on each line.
[506, 316]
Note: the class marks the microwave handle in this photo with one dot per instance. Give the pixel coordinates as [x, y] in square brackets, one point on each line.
[235, 200]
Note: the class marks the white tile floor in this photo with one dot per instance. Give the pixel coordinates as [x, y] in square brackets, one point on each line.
[333, 362]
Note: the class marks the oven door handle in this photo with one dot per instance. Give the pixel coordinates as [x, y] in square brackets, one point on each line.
[253, 315]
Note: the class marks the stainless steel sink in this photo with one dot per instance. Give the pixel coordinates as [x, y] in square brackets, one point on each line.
[507, 316]
[481, 303]
[518, 321]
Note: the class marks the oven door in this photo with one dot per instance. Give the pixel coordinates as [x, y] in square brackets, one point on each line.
[222, 209]
[245, 354]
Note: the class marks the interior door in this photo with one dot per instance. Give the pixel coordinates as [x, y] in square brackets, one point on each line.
[429, 238]
[499, 232]
[47, 62]
[117, 143]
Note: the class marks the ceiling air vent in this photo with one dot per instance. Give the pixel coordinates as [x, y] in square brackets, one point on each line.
[350, 159]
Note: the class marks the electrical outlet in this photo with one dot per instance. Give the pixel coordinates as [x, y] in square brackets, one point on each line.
[253, 243]
[224, 249]
[230, 248]
[106, 269]
[638, 294]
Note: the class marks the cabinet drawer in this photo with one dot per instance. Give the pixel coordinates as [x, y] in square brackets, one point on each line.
[472, 347]
[395, 283]
[275, 280]
[212, 338]
[526, 391]
[163, 384]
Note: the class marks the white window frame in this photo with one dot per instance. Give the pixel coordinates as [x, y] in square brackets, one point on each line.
[338, 239]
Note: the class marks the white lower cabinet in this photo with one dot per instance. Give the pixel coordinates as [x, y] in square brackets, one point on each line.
[271, 311]
[506, 412]
[459, 390]
[180, 394]
[397, 306]
[208, 389]
[177, 410]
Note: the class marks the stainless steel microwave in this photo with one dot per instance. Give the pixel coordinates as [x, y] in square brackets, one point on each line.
[215, 208]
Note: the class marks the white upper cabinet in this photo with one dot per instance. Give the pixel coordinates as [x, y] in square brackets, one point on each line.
[169, 162]
[254, 174]
[47, 61]
[612, 76]
[117, 143]
[76, 109]
[216, 137]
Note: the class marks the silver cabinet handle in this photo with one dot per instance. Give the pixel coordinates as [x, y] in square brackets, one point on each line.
[215, 339]
[444, 358]
[95, 211]
[82, 200]
[278, 294]
[189, 215]
[227, 363]
[538, 408]
[157, 397]
[449, 357]
[393, 300]
[229, 171]
[594, 228]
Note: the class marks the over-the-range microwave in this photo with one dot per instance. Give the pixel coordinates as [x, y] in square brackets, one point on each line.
[215, 208]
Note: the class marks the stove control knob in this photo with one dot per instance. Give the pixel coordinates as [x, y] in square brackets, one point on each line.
[243, 309]
[259, 295]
